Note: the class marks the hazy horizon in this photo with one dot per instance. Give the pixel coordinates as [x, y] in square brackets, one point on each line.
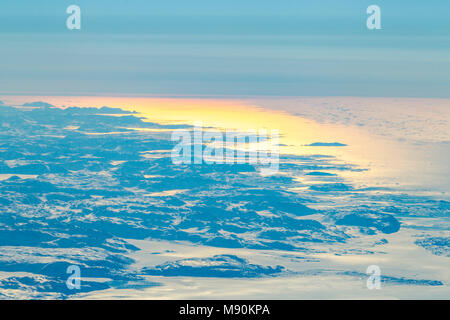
[294, 48]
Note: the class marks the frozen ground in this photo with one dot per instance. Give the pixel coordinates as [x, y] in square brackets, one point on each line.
[78, 187]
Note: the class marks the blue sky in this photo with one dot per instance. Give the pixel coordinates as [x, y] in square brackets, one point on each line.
[232, 47]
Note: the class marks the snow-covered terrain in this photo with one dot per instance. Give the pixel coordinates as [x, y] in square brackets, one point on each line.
[78, 187]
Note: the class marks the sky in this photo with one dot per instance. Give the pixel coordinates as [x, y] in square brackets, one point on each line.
[212, 47]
